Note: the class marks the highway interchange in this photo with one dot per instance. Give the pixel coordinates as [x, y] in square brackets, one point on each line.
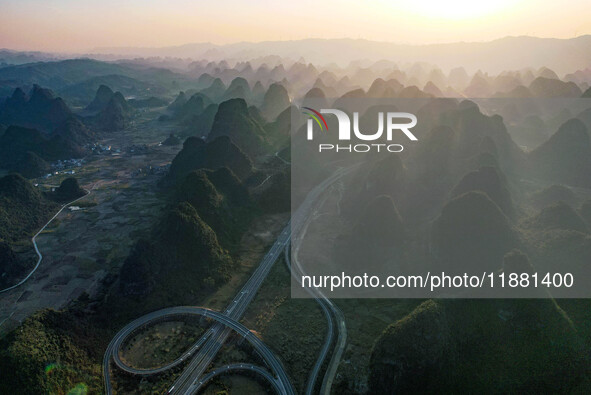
[273, 362]
[202, 353]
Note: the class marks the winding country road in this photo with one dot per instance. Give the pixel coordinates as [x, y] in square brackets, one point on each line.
[34, 240]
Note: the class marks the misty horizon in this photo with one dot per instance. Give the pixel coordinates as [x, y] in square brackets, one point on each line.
[564, 56]
[86, 25]
[105, 48]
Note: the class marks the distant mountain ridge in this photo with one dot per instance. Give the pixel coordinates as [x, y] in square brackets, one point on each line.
[508, 53]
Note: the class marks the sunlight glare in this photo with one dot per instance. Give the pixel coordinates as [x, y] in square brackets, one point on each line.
[457, 9]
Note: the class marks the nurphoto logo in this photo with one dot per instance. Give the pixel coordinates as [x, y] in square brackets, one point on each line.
[395, 122]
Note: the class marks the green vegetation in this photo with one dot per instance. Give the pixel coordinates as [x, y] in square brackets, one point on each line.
[183, 258]
[377, 239]
[233, 120]
[220, 198]
[23, 209]
[196, 154]
[161, 343]
[551, 87]
[11, 266]
[101, 99]
[273, 310]
[114, 116]
[558, 216]
[565, 157]
[52, 352]
[31, 165]
[553, 194]
[39, 110]
[67, 191]
[468, 345]
[492, 183]
[277, 197]
[276, 100]
[27, 150]
[470, 229]
[41, 128]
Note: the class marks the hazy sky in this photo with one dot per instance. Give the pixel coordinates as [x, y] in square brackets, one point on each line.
[81, 25]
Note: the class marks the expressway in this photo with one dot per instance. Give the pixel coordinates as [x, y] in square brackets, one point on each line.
[313, 376]
[202, 353]
[34, 240]
[298, 234]
[239, 367]
[187, 383]
[279, 380]
[213, 339]
[300, 222]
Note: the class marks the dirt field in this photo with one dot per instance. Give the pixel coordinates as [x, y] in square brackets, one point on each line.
[80, 247]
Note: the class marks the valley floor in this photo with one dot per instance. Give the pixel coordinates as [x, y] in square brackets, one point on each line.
[82, 246]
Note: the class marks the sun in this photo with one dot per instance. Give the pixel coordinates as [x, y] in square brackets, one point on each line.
[457, 9]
